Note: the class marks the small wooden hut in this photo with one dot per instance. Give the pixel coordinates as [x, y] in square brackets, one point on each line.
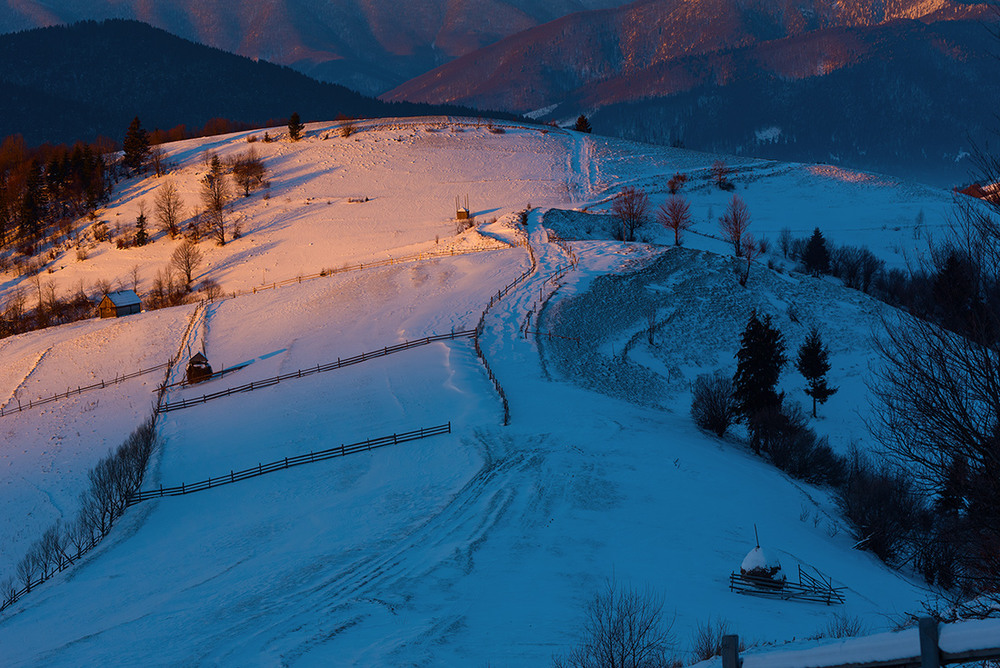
[117, 304]
[198, 369]
[462, 212]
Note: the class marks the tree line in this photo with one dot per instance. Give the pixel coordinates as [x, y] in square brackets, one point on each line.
[111, 483]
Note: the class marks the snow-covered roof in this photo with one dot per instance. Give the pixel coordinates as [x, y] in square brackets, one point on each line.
[123, 298]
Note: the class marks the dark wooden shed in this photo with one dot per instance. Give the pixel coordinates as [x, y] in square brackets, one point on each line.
[117, 304]
[198, 369]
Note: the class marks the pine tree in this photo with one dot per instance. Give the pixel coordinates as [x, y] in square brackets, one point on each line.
[141, 236]
[135, 146]
[813, 363]
[295, 127]
[816, 257]
[759, 362]
[582, 124]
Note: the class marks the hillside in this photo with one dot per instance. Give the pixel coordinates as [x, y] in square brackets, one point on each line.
[478, 546]
[367, 45]
[125, 68]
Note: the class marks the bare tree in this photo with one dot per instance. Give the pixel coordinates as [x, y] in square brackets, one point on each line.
[623, 628]
[630, 207]
[156, 160]
[249, 171]
[675, 214]
[186, 259]
[720, 174]
[751, 249]
[27, 568]
[215, 197]
[734, 223]
[168, 208]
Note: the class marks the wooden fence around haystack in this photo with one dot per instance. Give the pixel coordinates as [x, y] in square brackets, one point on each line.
[319, 368]
[288, 462]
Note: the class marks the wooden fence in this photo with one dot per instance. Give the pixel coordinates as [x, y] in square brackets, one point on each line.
[481, 324]
[930, 645]
[288, 462]
[79, 390]
[319, 368]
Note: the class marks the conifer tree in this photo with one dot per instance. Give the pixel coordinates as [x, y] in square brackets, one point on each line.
[759, 362]
[141, 236]
[813, 363]
[816, 257]
[582, 124]
[135, 146]
[295, 127]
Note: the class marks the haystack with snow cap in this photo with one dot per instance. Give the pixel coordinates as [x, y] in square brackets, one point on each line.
[759, 564]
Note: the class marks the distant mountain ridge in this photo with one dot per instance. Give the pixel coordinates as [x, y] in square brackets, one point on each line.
[368, 45]
[905, 87]
[68, 83]
[542, 65]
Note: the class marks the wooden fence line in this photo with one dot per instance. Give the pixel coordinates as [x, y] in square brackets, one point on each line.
[479, 331]
[288, 462]
[79, 390]
[319, 368]
[926, 652]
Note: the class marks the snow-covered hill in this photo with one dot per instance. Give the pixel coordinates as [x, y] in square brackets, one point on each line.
[482, 545]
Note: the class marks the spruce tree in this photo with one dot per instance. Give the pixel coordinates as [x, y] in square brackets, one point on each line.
[135, 146]
[759, 362]
[813, 363]
[295, 127]
[816, 257]
[141, 236]
[582, 124]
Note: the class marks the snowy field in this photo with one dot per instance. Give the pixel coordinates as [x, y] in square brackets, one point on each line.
[479, 547]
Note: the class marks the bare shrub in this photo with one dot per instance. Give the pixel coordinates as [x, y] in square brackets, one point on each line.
[624, 628]
[713, 407]
[882, 507]
[706, 641]
[844, 626]
[630, 207]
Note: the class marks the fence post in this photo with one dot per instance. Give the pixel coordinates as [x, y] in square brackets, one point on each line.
[730, 651]
[930, 655]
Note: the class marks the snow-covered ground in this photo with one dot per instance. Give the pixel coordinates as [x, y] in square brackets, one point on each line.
[477, 547]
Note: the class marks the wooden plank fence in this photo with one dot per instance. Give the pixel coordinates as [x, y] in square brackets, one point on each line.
[319, 368]
[79, 390]
[288, 462]
[930, 645]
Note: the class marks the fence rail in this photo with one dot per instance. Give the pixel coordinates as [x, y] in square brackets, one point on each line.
[930, 645]
[288, 462]
[478, 331]
[319, 368]
[79, 390]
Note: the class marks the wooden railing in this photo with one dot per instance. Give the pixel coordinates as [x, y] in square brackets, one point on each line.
[930, 645]
[288, 462]
[319, 368]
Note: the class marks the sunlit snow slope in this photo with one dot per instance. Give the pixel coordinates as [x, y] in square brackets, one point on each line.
[477, 547]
